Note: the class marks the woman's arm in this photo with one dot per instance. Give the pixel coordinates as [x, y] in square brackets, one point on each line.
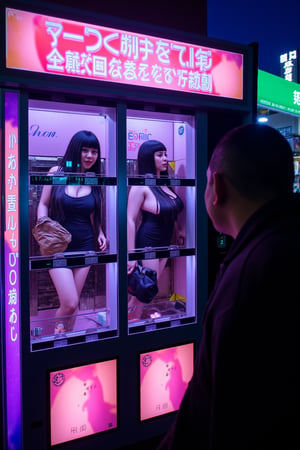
[102, 241]
[43, 206]
[135, 202]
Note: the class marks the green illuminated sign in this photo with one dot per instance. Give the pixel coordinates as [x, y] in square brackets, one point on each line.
[277, 93]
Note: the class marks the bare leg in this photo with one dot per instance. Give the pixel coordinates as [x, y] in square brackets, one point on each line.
[80, 276]
[135, 307]
[68, 284]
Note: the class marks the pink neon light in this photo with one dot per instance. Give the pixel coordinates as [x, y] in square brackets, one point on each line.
[83, 401]
[67, 48]
[11, 270]
[164, 376]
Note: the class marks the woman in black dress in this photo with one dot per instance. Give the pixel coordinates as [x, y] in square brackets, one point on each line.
[77, 208]
[159, 207]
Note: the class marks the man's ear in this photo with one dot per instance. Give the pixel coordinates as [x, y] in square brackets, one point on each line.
[220, 188]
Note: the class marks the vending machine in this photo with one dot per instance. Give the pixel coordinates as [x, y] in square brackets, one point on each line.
[106, 247]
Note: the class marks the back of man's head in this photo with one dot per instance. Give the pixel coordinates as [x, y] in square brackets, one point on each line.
[257, 160]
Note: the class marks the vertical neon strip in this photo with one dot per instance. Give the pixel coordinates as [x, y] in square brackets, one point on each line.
[12, 274]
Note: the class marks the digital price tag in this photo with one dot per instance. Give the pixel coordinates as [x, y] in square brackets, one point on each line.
[59, 180]
[150, 182]
[91, 337]
[91, 260]
[59, 263]
[150, 255]
[60, 343]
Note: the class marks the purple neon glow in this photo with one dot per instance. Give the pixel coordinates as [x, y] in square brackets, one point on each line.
[11, 269]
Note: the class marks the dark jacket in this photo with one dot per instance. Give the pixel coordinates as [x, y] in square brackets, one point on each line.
[244, 391]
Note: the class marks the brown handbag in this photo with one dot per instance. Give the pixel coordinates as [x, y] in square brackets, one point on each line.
[51, 236]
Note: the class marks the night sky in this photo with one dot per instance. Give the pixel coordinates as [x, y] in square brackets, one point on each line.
[274, 24]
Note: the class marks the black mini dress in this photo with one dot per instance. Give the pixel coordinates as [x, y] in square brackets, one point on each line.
[77, 212]
[156, 230]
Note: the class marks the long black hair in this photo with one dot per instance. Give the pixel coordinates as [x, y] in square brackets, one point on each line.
[146, 164]
[71, 162]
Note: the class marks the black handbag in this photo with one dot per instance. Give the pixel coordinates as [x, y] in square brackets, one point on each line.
[142, 283]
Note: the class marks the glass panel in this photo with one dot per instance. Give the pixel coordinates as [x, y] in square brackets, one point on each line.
[72, 168]
[176, 132]
[175, 299]
[161, 205]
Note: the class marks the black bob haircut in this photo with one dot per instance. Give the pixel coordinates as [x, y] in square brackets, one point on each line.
[146, 164]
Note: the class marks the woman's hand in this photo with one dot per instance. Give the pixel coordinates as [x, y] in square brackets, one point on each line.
[131, 266]
[180, 237]
[102, 241]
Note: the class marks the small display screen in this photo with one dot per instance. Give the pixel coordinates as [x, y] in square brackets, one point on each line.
[164, 376]
[83, 401]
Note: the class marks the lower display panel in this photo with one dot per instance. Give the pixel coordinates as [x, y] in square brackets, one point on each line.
[164, 377]
[83, 401]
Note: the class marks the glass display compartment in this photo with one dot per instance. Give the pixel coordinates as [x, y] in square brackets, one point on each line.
[161, 208]
[73, 293]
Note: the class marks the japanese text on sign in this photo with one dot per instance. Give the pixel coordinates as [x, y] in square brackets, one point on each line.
[11, 234]
[65, 47]
[288, 63]
[11, 272]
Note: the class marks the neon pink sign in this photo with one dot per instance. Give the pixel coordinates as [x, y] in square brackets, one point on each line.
[11, 269]
[64, 47]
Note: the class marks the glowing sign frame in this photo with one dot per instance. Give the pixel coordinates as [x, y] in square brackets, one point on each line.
[12, 272]
[52, 45]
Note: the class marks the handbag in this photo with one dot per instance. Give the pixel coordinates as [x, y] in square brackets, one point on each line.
[51, 236]
[142, 283]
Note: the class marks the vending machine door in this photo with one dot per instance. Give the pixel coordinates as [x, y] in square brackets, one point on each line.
[161, 223]
[72, 180]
